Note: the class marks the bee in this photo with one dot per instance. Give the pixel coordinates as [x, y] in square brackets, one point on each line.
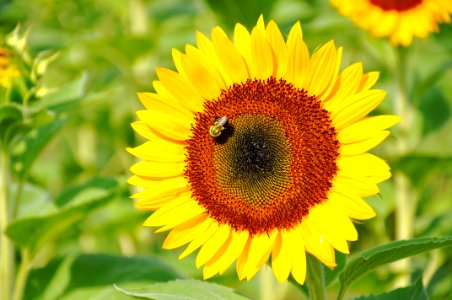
[217, 127]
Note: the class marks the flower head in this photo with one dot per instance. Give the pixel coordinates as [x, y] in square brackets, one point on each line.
[257, 149]
[400, 20]
[7, 70]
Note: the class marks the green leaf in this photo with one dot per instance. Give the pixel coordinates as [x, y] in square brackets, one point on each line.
[34, 232]
[183, 290]
[70, 277]
[413, 292]
[78, 192]
[72, 91]
[10, 117]
[368, 260]
[34, 143]
[117, 269]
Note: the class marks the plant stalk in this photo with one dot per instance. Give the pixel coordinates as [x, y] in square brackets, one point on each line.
[7, 250]
[22, 275]
[315, 278]
[405, 198]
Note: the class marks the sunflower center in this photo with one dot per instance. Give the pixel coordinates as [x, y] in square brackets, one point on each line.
[253, 159]
[398, 5]
[273, 161]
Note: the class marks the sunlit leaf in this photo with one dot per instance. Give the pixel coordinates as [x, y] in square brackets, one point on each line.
[33, 232]
[413, 292]
[368, 260]
[183, 289]
[93, 273]
[34, 143]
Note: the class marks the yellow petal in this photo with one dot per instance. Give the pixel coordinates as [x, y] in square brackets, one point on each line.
[207, 48]
[346, 85]
[364, 165]
[335, 227]
[242, 42]
[159, 150]
[147, 132]
[260, 25]
[177, 238]
[359, 109]
[263, 63]
[364, 146]
[174, 214]
[352, 205]
[207, 82]
[298, 57]
[368, 81]
[210, 248]
[168, 124]
[366, 128]
[334, 76]
[362, 186]
[283, 254]
[180, 88]
[157, 188]
[200, 239]
[322, 70]
[299, 262]
[220, 263]
[242, 260]
[316, 244]
[276, 41]
[156, 170]
[260, 249]
[158, 102]
[233, 63]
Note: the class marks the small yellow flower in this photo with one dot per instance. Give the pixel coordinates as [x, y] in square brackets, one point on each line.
[257, 149]
[400, 20]
[7, 70]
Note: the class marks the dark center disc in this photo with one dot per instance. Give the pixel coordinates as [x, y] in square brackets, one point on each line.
[253, 162]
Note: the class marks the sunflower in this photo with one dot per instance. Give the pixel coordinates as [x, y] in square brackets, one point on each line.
[7, 70]
[400, 20]
[256, 149]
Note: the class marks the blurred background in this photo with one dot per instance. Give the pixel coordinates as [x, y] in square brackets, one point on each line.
[75, 202]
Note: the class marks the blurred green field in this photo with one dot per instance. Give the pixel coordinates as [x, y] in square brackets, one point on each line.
[76, 217]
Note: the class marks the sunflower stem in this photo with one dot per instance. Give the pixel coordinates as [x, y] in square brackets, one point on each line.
[405, 198]
[7, 250]
[22, 275]
[315, 278]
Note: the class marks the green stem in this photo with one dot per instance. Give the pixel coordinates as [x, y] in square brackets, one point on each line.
[17, 198]
[266, 285]
[315, 278]
[405, 198]
[22, 275]
[7, 250]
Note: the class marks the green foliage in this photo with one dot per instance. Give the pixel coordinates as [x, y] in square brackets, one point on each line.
[368, 260]
[413, 292]
[183, 289]
[33, 233]
[64, 277]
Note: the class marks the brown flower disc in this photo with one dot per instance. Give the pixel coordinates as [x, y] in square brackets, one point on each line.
[275, 159]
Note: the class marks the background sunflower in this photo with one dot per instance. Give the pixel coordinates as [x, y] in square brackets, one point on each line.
[66, 121]
[400, 21]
